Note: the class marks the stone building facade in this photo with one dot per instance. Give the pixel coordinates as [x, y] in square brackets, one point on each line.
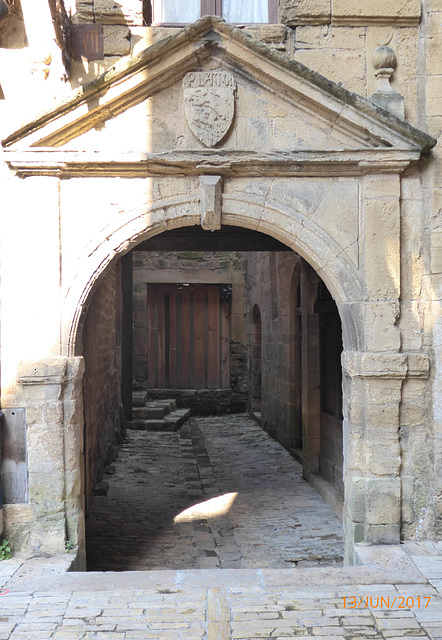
[318, 132]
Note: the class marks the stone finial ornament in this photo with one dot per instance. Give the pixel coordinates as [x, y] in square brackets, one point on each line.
[385, 61]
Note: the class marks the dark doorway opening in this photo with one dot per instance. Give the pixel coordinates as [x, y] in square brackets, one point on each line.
[215, 322]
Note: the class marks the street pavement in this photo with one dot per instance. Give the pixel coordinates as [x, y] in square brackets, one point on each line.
[212, 534]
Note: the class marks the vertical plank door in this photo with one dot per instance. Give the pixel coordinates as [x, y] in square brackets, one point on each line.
[188, 337]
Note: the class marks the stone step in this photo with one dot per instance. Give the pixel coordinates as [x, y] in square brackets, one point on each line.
[154, 409]
[139, 398]
[172, 422]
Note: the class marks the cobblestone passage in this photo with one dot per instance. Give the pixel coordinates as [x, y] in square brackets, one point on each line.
[247, 503]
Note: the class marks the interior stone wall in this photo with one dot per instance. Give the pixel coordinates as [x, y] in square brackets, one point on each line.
[103, 415]
[285, 289]
[269, 279]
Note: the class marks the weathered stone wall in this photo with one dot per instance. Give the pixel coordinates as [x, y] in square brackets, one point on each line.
[424, 406]
[51, 392]
[270, 288]
[202, 268]
[320, 34]
[284, 289]
[331, 455]
[102, 379]
[372, 232]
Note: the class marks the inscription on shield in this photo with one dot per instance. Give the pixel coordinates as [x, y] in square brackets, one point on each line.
[209, 104]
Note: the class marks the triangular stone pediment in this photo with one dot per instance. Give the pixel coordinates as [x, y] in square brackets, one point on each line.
[210, 90]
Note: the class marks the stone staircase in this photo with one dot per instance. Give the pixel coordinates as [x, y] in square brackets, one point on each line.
[155, 415]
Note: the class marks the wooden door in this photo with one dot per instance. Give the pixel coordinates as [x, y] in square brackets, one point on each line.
[188, 336]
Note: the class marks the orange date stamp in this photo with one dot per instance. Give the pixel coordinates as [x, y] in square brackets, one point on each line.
[387, 602]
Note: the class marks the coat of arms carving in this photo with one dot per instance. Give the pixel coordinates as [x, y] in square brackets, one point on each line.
[209, 104]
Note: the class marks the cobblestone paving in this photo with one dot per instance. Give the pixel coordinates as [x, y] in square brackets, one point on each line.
[254, 508]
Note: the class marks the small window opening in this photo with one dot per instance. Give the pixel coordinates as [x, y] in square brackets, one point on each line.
[177, 13]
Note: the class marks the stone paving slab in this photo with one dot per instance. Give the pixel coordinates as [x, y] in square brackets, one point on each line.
[218, 605]
[28, 579]
[248, 591]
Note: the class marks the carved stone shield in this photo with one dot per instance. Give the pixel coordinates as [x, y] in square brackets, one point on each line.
[209, 104]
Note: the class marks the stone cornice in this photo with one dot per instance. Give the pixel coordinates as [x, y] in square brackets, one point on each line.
[67, 164]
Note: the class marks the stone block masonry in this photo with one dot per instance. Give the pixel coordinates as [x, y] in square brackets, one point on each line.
[102, 336]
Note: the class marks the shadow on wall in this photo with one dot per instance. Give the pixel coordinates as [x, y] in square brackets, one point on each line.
[125, 31]
[12, 27]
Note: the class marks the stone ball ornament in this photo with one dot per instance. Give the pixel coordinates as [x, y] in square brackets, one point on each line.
[384, 58]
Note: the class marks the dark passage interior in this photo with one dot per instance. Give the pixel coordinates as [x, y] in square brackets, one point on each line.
[217, 493]
[213, 383]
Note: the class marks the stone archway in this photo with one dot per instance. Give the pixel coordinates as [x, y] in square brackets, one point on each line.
[362, 369]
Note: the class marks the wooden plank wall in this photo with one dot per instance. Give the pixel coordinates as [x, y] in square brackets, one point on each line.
[188, 337]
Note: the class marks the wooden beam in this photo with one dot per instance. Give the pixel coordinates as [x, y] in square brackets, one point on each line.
[226, 239]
